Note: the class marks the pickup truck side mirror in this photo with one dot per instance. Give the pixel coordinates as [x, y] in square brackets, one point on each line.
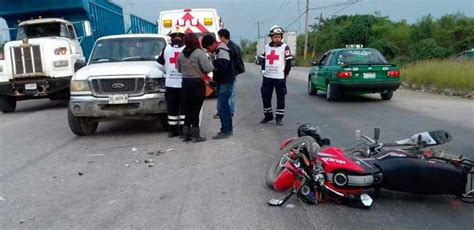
[86, 26]
[314, 63]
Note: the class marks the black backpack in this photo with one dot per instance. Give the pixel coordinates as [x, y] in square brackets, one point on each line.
[236, 58]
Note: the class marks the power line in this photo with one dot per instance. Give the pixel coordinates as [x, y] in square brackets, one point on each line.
[294, 21]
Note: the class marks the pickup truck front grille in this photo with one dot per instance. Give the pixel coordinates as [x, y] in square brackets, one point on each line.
[108, 86]
[26, 60]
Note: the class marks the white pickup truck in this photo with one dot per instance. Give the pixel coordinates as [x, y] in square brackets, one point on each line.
[40, 62]
[122, 80]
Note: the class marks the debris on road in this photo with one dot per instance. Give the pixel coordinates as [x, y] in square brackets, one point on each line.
[134, 150]
[137, 161]
[112, 201]
[96, 155]
[80, 173]
[149, 161]
[291, 206]
[127, 165]
[151, 165]
[32, 218]
[169, 150]
[21, 221]
[1, 198]
[61, 181]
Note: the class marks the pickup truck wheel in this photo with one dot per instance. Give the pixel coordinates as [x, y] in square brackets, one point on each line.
[387, 96]
[7, 104]
[81, 126]
[163, 118]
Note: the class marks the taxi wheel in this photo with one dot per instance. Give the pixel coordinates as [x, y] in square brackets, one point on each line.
[387, 96]
[311, 90]
[331, 92]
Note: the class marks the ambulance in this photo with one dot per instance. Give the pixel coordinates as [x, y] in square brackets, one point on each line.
[198, 21]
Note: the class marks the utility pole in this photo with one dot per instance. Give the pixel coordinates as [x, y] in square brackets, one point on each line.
[299, 21]
[258, 29]
[306, 31]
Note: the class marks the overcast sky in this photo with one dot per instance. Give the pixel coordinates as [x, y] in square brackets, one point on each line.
[239, 16]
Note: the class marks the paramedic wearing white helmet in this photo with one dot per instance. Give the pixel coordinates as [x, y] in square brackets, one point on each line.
[275, 69]
[173, 80]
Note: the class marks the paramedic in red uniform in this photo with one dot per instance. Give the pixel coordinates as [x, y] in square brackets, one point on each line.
[275, 69]
[173, 80]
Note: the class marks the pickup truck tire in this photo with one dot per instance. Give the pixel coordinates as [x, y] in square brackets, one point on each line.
[81, 126]
[7, 104]
[387, 96]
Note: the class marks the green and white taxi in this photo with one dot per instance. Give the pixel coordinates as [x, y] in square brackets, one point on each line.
[353, 70]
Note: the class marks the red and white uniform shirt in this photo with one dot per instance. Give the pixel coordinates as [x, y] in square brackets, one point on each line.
[174, 78]
[275, 59]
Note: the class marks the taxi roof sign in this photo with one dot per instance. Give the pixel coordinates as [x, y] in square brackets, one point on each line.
[354, 46]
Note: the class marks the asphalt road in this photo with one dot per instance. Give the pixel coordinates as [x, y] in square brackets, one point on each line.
[215, 184]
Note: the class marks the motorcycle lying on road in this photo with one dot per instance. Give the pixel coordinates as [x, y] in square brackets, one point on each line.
[349, 175]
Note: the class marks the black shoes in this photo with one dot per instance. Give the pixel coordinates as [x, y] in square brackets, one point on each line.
[221, 135]
[265, 120]
[279, 121]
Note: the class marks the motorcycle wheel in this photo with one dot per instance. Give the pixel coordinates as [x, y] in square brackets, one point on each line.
[278, 164]
[468, 197]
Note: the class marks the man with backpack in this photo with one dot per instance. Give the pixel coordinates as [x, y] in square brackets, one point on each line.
[237, 62]
[224, 76]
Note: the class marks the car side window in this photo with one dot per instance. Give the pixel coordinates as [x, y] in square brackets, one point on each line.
[323, 60]
[328, 59]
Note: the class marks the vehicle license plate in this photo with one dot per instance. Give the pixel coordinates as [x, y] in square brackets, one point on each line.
[118, 99]
[31, 86]
[369, 75]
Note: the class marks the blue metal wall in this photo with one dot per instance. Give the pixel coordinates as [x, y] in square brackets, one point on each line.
[106, 18]
[140, 25]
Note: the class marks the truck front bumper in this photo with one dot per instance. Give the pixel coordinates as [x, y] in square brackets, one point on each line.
[29, 88]
[99, 107]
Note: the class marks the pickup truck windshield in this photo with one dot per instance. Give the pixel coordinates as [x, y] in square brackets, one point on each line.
[53, 29]
[360, 57]
[127, 49]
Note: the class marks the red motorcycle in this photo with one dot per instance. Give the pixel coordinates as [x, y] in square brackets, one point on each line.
[350, 175]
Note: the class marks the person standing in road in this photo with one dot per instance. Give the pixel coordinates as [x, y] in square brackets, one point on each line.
[224, 76]
[239, 67]
[193, 63]
[275, 69]
[173, 81]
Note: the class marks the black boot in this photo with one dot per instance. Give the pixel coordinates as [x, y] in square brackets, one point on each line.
[265, 120]
[186, 134]
[173, 131]
[196, 136]
[279, 121]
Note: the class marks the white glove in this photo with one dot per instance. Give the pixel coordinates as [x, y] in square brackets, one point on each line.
[263, 72]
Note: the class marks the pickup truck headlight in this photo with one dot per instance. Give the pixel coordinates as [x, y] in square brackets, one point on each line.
[80, 85]
[155, 85]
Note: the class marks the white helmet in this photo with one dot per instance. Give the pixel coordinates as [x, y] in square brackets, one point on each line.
[276, 30]
[177, 31]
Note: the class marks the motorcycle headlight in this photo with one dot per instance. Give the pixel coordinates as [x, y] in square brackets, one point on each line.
[80, 85]
[340, 179]
[155, 85]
